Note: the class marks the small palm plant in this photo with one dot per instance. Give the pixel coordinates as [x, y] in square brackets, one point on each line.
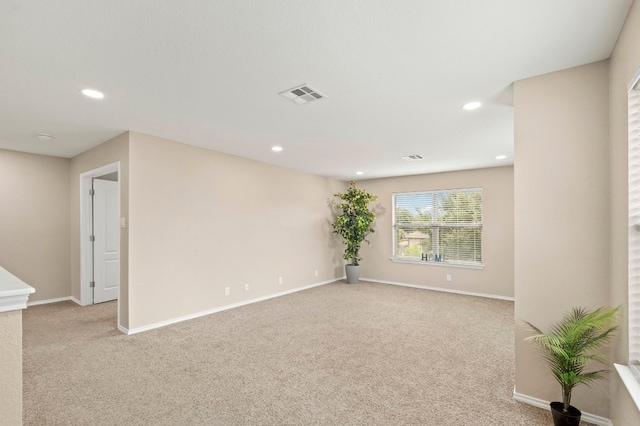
[572, 344]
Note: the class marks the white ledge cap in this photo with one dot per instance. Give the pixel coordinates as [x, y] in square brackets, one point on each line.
[632, 384]
[14, 292]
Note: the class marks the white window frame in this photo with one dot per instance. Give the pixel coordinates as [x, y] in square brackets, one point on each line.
[435, 237]
[630, 374]
[634, 225]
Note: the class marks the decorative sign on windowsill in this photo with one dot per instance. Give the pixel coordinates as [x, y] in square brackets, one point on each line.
[434, 258]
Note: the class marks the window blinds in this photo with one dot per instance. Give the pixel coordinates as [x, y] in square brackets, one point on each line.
[634, 225]
[457, 208]
[439, 226]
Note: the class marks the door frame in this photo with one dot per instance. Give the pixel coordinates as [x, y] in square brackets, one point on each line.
[86, 253]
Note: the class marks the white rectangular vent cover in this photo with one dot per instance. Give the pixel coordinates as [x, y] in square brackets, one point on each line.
[302, 94]
[413, 157]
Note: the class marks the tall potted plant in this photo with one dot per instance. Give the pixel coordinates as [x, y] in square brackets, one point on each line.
[568, 348]
[353, 224]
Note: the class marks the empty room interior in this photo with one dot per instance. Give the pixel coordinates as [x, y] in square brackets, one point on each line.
[168, 181]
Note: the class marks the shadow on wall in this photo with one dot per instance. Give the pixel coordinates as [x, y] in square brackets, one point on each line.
[334, 240]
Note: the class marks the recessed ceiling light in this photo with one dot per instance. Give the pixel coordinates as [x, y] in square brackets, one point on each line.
[501, 157]
[276, 148]
[359, 173]
[472, 105]
[92, 93]
[44, 136]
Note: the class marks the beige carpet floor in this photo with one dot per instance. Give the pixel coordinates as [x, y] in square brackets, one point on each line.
[339, 354]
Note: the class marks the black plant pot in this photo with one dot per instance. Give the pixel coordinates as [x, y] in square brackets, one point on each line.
[571, 418]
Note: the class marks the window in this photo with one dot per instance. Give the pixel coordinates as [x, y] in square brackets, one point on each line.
[634, 229]
[630, 374]
[438, 227]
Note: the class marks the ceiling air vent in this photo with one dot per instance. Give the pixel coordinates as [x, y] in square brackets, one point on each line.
[413, 157]
[302, 94]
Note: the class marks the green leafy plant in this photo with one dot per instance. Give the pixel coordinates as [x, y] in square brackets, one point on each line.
[354, 223]
[572, 344]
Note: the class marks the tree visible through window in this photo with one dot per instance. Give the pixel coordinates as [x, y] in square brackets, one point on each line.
[438, 226]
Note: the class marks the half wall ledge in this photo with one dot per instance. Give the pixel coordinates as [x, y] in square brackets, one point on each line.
[14, 293]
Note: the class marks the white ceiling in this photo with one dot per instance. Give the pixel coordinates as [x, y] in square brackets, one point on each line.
[208, 73]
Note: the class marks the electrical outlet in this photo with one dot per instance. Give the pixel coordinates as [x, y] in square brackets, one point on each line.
[279, 280]
[316, 272]
[448, 277]
[246, 287]
[227, 290]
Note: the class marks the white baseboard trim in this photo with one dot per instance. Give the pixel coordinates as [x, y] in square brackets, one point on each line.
[446, 290]
[47, 301]
[76, 301]
[220, 309]
[540, 403]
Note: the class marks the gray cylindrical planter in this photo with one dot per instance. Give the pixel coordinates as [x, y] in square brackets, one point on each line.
[353, 273]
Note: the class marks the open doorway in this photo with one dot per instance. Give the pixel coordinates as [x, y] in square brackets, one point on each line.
[100, 235]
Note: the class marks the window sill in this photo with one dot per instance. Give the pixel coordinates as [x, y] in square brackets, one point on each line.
[447, 264]
[632, 385]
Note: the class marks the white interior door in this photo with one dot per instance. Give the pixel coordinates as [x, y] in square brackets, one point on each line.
[106, 246]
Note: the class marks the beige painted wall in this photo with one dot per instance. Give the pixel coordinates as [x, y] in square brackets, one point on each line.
[11, 368]
[497, 276]
[116, 149]
[34, 222]
[561, 214]
[624, 62]
[201, 221]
